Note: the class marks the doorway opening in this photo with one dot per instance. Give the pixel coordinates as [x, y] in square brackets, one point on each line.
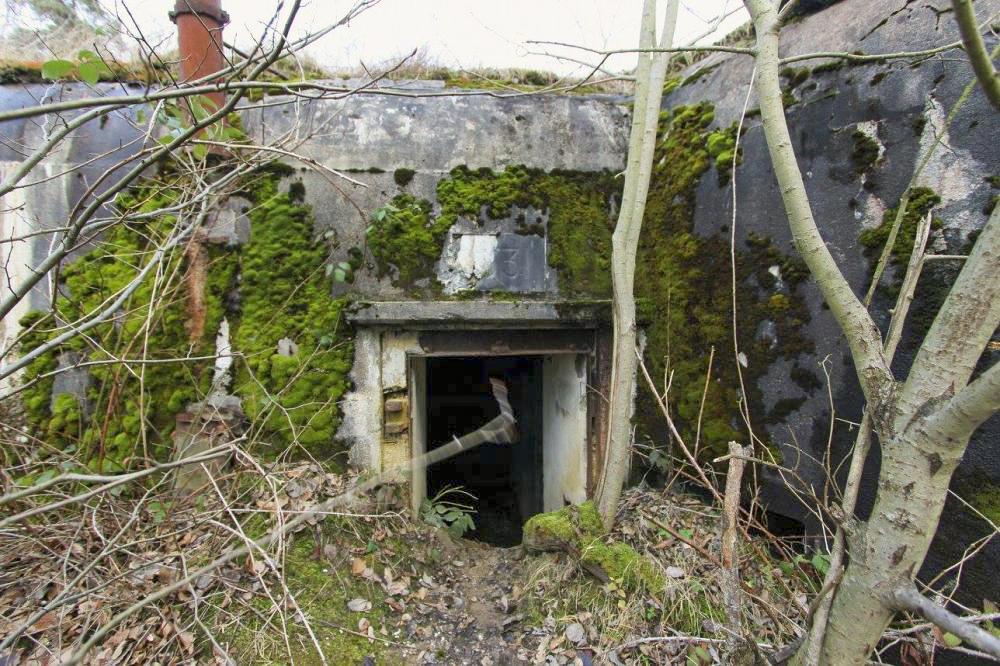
[506, 479]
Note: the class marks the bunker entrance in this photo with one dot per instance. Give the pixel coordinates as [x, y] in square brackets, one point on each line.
[506, 479]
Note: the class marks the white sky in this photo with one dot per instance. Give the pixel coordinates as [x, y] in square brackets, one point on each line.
[455, 33]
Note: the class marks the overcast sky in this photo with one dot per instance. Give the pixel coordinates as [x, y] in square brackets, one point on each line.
[454, 33]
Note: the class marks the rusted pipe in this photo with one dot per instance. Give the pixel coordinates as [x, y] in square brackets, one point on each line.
[199, 37]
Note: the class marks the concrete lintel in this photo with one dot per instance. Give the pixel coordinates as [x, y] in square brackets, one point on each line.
[460, 314]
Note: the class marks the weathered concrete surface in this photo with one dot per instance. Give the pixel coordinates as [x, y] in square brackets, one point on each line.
[900, 106]
[441, 314]
[365, 136]
[432, 135]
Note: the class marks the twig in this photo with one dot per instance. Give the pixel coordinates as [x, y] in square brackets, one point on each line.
[907, 598]
[982, 64]
[732, 600]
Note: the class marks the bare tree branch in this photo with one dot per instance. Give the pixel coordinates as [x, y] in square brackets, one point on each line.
[982, 64]
[907, 598]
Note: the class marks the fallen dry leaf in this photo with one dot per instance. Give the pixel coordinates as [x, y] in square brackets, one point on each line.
[359, 605]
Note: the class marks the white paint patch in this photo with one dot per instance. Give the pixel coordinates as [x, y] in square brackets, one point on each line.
[475, 255]
[395, 346]
[466, 259]
[221, 377]
[951, 172]
[362, 407]
[564, 430]
[775, 272]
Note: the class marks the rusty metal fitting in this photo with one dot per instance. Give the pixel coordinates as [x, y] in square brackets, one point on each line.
[204, 8]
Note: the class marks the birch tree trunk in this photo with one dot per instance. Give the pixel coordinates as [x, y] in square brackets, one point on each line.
[650, 74]
[923, 424]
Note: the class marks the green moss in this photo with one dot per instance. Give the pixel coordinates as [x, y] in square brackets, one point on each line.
[721, 145]
[579, 531]
[788, 99]
[700, 72]
[15, 72]
[66, 418]
[994, 182]
[922, 200]
[568, 525]
[402, 177]
[865, 152]
[578, 204]
[296, 192]
[125, 416]
[984, 495]
[283, 293]
[624, 565]
[323, 597]
[684, 293]
[991, 204]
[831, 66]
[783, 408]
[795, 76]
[805, 379]
[407, 241]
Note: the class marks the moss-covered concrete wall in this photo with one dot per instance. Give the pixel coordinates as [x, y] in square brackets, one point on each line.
[858, 132]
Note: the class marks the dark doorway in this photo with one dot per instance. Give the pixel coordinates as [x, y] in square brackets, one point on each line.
[506, 479]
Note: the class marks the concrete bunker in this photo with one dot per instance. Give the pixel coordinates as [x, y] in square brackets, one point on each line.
[430, 365]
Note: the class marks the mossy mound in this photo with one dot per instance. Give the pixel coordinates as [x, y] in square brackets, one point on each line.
[865, 152]
[578, 530]
[623, 564]
[556, 529]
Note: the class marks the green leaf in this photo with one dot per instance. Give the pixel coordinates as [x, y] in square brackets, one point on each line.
[950, 639]
[200, 150]
[339, 275]
[46, 476]
[157, 511]
[200, 108]
[89, 72]
[822, 562]
[57, 69]
[85, 55]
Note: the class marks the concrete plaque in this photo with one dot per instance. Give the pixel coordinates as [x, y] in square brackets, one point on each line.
[518, 265]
